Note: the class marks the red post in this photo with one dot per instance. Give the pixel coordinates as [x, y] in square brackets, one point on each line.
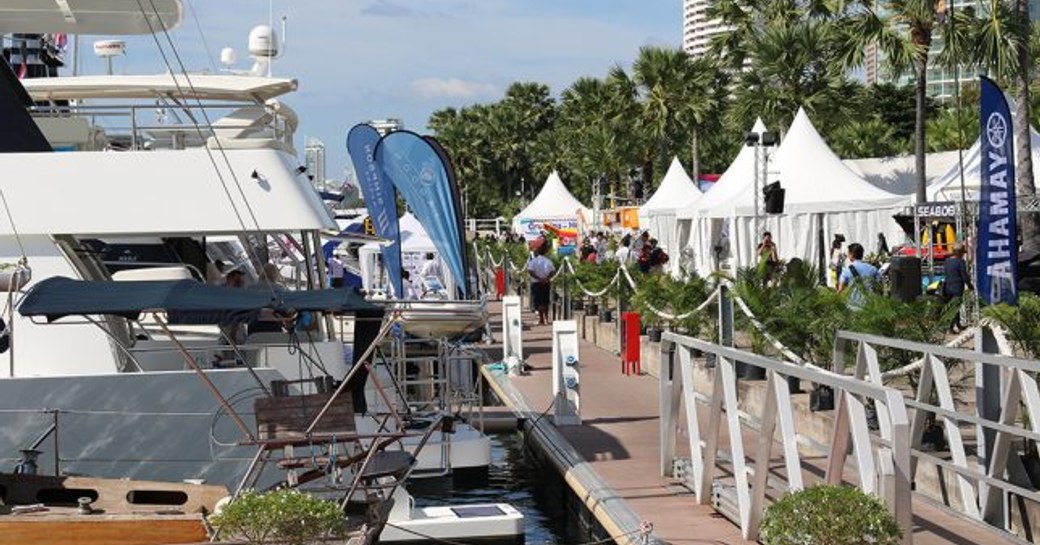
[500, 281]
[630, 353]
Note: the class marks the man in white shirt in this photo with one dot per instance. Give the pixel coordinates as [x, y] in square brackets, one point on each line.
[541, 270]
[624, 253]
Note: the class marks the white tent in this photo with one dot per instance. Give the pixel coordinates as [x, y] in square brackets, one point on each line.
[948, 186]
[415, 244]
[821, 193]
[699, 237]
[554, 204]
[658, 215]
[898, 174]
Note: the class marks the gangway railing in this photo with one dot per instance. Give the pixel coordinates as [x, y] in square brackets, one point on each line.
[985, 428]
[881, 465]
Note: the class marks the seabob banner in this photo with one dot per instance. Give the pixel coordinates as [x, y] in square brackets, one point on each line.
[997, 250]
[380, 199]
[422, 177]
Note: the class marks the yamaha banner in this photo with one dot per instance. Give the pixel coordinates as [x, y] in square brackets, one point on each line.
[421, 177]
[997, 249]
[379, 198]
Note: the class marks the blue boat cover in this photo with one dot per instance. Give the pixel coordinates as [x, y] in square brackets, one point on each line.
[184, 301]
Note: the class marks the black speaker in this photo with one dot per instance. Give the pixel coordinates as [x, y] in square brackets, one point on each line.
[905, 276]
[774, 197]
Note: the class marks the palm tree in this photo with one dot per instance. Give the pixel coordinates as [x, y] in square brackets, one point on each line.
[678, 95]
[872, 137]
[946, 129]
[1004, 47]
[903, 31]
[795, 64]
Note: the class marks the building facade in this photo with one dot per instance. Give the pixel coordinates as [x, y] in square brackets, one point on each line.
[941, 81]
[698, 29]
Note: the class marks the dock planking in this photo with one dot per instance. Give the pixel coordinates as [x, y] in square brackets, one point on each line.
[619, 439]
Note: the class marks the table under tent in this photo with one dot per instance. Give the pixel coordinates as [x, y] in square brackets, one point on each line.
[823, 198]
[658, 215]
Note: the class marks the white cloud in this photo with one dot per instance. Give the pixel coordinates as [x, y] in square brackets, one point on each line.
[452, 88]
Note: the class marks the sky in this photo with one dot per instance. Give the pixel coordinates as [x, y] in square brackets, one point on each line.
[357, 60]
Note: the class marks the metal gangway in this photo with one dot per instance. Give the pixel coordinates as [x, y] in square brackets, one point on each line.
[739, 444]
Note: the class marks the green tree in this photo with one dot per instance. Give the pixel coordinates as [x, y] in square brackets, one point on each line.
[903, 31]
[870, 137]
[947, 129]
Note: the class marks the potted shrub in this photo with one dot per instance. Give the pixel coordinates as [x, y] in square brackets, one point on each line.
[285, 516]
[829, 515]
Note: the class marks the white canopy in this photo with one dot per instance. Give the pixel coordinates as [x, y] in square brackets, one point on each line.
[948, 186]
[94, 17]
[739, 179]
[554, 202]
[205, 86]
[898, 174]
[821, 194]
[676, 192]
[415, 244]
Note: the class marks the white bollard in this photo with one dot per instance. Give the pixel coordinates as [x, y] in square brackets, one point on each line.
[566, 373]
[512, 328]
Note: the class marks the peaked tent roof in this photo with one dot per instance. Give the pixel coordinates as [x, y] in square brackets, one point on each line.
[676, 191]
[739, 178]
[948, 186]
[814, 178]
[554, 201]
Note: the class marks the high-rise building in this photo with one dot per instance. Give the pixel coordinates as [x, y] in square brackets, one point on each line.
[941, 80]
[314, 160]
[698, 29]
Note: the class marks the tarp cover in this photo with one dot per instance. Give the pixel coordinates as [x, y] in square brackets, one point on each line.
[184, 301]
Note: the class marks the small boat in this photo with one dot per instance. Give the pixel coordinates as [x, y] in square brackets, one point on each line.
[440, 319]
[483, 523]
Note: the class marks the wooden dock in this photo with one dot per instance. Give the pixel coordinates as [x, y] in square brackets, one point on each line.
[617, 444]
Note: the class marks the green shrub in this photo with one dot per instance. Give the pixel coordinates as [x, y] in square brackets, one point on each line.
[1022, 322]
[829, 515]
[282, 516]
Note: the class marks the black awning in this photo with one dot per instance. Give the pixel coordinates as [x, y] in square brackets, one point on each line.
[184, 301]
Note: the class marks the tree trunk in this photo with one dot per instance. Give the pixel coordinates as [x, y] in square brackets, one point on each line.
[920, 90]
[1024, 183]
[695, 163]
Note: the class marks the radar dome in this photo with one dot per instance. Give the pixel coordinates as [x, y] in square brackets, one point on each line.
[263, 42]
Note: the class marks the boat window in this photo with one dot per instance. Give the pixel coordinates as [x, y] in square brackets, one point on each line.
[157, 497]
[65, 497]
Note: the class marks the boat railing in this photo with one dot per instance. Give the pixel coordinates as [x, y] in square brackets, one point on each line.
[161, 126]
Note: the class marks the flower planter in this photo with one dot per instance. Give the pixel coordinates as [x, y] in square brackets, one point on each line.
[653, 334]
[577, 304]
[606, 316]
[592, 309]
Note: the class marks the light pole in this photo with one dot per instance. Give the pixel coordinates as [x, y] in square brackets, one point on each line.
[761, 142]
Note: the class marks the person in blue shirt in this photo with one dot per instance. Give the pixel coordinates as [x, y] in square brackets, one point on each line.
[858, 277]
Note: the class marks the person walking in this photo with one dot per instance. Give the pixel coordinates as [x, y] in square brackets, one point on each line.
[858, 277]
[956, 280]
[336, 270]
[624, 254]
[541, 269]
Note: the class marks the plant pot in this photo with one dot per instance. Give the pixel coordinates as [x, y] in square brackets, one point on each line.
[794, 385]
[592, 309]
[653, 334]
[577, 304]
[606, 316]
[754, 372]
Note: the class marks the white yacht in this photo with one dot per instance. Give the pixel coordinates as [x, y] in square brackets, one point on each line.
[145, 190]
